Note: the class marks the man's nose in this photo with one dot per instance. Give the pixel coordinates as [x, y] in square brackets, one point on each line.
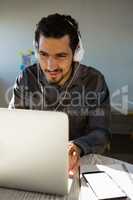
[52, 63]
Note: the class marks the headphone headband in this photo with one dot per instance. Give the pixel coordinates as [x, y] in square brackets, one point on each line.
[79, 52]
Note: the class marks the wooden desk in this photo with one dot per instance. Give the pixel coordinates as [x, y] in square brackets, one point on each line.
[88, 163]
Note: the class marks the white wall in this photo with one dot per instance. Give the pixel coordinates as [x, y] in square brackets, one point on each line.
[106, 27]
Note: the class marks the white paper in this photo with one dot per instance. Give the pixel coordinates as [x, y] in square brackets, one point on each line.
[120, 176]
[103, 186]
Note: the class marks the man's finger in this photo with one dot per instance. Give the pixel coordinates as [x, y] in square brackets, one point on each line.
[73, 170]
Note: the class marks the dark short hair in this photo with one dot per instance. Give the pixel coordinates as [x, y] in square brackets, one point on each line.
[57, 26]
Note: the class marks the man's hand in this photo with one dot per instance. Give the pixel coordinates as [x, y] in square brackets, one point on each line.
[74, 159]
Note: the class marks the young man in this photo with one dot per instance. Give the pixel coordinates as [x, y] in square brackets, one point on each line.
[59, 82]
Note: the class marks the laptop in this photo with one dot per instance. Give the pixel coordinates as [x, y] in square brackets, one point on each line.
[33, 150]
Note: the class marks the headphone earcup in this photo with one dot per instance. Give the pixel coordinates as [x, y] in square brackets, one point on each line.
[35, 49]
[36, 54]
[79, 52]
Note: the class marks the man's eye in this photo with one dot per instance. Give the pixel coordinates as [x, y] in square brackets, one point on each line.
[62, 56]
[43, 54]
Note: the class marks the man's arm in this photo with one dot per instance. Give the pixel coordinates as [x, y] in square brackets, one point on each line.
[20, 88]
[97, 133]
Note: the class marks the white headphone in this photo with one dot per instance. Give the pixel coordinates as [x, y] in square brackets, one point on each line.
[35, 48]
[79, 52]
[78, 56]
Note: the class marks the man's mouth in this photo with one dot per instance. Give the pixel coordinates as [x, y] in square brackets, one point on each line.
[54, 73]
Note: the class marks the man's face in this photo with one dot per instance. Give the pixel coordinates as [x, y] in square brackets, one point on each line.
[55, 58]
